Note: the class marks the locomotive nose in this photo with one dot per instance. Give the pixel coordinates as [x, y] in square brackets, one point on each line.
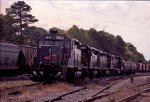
[50, 55]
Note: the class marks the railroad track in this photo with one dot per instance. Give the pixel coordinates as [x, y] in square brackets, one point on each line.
[82, 91]
[16, 90]
[85, 90]
[123, 76]
[126, 94]
[105, 83]
[128, 98]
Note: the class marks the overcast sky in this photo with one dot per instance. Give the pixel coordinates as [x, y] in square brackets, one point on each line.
[129, 19]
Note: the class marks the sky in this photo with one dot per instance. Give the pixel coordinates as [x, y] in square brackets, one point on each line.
[129, 19]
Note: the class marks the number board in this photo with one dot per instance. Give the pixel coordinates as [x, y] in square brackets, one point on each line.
[48, 37]
[57, 37]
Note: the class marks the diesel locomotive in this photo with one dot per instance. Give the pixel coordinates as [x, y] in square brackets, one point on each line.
[61, 56]
[57, 55]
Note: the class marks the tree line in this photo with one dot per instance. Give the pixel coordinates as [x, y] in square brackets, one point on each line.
[14, 27]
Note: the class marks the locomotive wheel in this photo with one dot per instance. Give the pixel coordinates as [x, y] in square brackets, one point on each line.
[36, 77]
[116, 72]
[83, 75]
[99, 74]
[91, 73]
[111, 72]
[70, 75]
[104, 72]
[67, 75]
[122, 73]
[48, 75]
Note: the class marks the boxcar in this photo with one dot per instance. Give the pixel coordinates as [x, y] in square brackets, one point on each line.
[146, 67]
[140, 67]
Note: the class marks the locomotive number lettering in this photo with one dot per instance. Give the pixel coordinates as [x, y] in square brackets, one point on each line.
[48, 37]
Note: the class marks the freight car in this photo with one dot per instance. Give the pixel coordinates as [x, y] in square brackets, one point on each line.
[15, 59]
[143, 67]
[29, 53]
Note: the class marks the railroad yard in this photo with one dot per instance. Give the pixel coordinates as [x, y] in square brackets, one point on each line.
[105, 89]
[93, 52]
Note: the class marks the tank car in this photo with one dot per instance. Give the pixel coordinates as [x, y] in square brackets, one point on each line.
[126, 67]
[134, 68]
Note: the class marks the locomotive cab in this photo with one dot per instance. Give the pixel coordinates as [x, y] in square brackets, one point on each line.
[52, 54]
[85, 55]
[117, 65]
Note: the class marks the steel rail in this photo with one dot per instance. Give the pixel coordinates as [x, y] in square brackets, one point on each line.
[92, 98]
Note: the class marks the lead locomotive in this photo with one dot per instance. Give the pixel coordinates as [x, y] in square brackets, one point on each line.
[57, 55]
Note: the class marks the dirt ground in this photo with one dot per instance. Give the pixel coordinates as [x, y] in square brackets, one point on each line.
[144, 97]
[42, 90]
[37, 91]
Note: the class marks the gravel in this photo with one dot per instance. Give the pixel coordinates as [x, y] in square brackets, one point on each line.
[46, 93]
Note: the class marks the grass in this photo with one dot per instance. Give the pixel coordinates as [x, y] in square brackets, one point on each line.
[28, 94]
[11, 84]
[112, 99]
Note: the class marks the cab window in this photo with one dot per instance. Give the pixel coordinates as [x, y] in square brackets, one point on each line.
[67, 44]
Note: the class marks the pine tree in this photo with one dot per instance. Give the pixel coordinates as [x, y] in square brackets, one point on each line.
[20, 13]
